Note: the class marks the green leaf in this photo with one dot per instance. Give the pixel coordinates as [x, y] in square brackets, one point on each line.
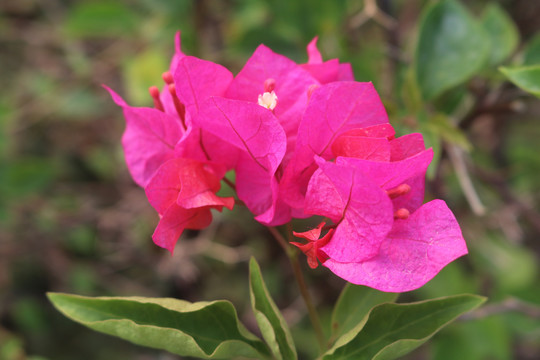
[501, 31]
[525, 77]
[271, 323]
[208, 330]
[393, 330]
[531, 54]
[353, 304]
[452, 47]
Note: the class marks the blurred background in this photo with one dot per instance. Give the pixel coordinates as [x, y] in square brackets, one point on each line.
[72, 220]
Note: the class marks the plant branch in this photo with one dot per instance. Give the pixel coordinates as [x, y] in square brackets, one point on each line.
[458, 161]
[510, 304]
[292, 254]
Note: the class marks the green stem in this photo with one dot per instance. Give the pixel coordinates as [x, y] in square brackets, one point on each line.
[292, 254]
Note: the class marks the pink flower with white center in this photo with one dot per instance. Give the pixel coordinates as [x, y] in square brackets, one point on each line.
[302, 140]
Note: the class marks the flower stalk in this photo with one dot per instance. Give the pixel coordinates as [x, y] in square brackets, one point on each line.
[292, 254]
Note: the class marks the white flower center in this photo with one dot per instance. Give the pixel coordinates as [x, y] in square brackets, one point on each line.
[268, 100]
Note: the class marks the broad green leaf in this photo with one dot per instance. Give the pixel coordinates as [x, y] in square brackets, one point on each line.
[525, 77]
[393, 330]
[452, 47]
[501, 31]
[531, 54]
[353, 304]
[271, 323]
[208, 330]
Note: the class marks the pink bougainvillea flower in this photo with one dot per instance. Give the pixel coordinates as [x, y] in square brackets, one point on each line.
[303, 140]
[312, 248]
[384, 237]
[183, 191]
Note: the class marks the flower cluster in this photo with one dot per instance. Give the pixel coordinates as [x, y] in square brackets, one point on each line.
[303, 140]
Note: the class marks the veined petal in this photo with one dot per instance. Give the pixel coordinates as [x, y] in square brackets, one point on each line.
[291, 87]
[333, 109]
[196, 80]
[388, 175]
[256, 132]
[414, 252]
[366, 211]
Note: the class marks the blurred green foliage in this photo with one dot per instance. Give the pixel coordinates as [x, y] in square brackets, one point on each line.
[72, 220]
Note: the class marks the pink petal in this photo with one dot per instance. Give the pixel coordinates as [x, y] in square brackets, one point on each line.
[204, 146]
[345, 72]
[414, 252]
[328, 71]
[406, 146]
[384, 130]
[187, 183]
[375, 149]
[314, 56]
[291, 86]
[175, 220]
[149, 139]
[278, 213]
[367, 214]
[324, 72]
[178, 54]
[389, 175]
[256, 132]
[196, 80]
[333, 109]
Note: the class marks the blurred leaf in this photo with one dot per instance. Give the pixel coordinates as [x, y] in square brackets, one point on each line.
[525, 77]
[454, 101]
[11, 347]
[501, 31]
[273, 326]
[512, 267]
[393, 330]
[25, 176]
[79, 103]
[143, 71]
[352, 306]
[410, 93]
[442, 126]
[100, 19]
[29, 315]
[6, 141]
[486, 338]
[83, 279]
[452, 47]
[81, 240]
[208, 330]
[531, 54]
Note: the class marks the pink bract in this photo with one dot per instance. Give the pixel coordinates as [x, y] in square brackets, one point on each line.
[303, 140]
